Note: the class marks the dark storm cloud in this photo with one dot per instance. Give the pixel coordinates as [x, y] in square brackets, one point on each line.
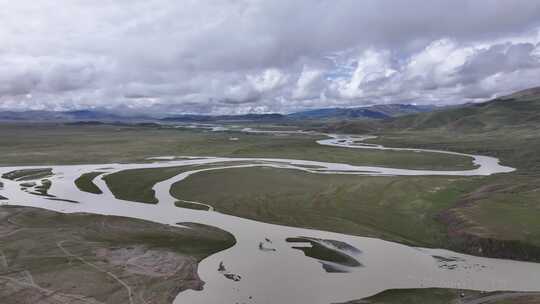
[253, 55]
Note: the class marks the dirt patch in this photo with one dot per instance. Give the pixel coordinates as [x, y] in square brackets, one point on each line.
[49, 257]
[148, 262]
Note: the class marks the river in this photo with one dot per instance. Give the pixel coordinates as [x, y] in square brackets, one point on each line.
[280, 264]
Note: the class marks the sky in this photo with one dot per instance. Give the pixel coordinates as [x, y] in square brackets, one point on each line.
[260, 56]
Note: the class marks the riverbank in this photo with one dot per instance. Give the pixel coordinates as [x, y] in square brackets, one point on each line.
[50, 257]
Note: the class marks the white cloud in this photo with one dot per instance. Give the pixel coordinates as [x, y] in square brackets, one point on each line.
[268, 80]
[310, 84]
[252, 55]
[438, 62]
[371, 67]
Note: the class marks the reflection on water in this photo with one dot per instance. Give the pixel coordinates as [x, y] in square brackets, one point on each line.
[335, 256]
[455, 263]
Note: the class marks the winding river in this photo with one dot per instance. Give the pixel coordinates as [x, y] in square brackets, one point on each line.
[277, 264]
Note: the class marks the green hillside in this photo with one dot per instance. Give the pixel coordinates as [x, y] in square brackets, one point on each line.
[520, 109]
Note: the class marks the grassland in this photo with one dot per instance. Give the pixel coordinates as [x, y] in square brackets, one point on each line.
[393, 208]
[27, 174]
[47, 257]
[85, 182]
[190, 205]
[36, 144]
[482, 117]
[136, 184]
[414, 296]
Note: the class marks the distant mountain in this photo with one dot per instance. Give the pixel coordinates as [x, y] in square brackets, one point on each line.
[520, 109]
[373, 112]
[340, 113]
[217, 118]
[67, 116]
[92, 115]
[103, 116]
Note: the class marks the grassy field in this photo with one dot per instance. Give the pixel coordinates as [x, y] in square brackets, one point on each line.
[501, 207]
[136, 184]
[393, 208]
[414, 296]
[27, 174]
[70, 144]
[482, 117]
[50, 258]
[85, 182]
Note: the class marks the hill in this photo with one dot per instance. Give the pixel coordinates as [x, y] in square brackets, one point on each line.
[67, 116]
[492, 115]
[520, 109]
[272, 117]
[373, 112]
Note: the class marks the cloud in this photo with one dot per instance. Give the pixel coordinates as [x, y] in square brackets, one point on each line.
[372, 68]
[232, 56]
[500, 58]
[309, 85]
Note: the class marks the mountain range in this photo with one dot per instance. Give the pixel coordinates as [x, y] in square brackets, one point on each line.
[375, 112]
[520, 109]
[524, 104]
[62, 116]
[371, 112]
